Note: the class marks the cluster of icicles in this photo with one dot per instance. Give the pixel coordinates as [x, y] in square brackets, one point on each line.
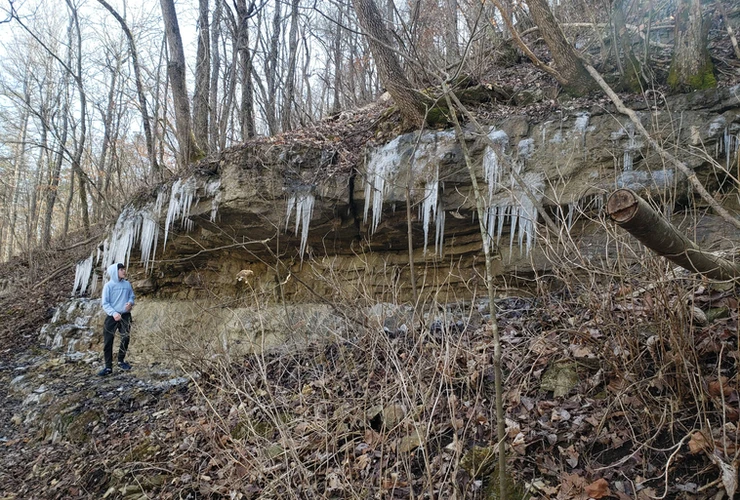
[505, 205]
[140, 227]
[514, 206]
[728, 144]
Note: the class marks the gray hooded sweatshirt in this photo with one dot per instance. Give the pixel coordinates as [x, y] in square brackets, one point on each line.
[116, 293]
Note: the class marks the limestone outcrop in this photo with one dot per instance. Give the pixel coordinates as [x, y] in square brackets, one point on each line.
[352, 222]
[281, 222]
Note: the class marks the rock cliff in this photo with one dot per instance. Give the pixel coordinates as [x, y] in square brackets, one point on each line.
[297, 221]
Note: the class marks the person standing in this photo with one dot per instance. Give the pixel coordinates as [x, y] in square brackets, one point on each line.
[117, 302]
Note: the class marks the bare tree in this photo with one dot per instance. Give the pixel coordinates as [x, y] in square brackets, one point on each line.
[337, 52]
[246, 114]
[54, 176]
[572, 74]
[451, 36]
[188, 149]
[629, 66]
[19, 165]
[271, 69]
[202, 78]
[76, 159]
[289, 94]
[155, 170]
[691, 66]
[213, 97]
[107, 116]
[392, 76]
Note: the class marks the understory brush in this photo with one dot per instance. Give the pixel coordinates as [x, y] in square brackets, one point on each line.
[619, 384]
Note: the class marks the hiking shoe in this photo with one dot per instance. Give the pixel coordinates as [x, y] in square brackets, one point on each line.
[105, 372]
[124, 366]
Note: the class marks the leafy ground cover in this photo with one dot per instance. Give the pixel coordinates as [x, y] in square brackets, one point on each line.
[622, 390]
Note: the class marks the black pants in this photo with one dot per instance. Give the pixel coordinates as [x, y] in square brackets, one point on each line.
[109, 332]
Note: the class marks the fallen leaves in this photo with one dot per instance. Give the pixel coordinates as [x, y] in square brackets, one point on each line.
[407, 414]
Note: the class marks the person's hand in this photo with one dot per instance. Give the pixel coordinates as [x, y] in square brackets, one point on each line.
[117, 317]
[128, 306]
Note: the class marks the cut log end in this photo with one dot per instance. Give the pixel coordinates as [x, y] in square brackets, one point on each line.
[622, 205]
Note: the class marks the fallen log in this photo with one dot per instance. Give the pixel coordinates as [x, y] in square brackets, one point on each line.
[636, 216]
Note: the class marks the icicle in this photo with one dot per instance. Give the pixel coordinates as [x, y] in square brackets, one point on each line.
[181, 199]
[82, 275]
[600, 201]
[117, 247]
[631, 146]
[382, 164]
[527, 221]
[571, 210]
[627, 161]
[581, 123]
[291, 206]
[306, 208]
[492, 170]
[94, 284]
[430, 205]
[728, 148]
[521, 213]
[213, 189]
[544, 132]
[581, 127]
[501, 219]
[150, 230]
[303, 204]
[439, 235]
[525, 148]
[512, 229]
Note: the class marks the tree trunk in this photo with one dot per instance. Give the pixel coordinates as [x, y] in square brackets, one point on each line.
[691, 67]
[409, 102]
[289, 94]
[574, 77]
[633, 214]
[80, 143]
[68, 205]
[271, 72]
[307, 91]
[215, 69]
[155, 171]
[452, 48]
[176, 74]
[53, 186]
[628, 63]
[103, 178]
[61, 134]
[33, 208]
[246, 118]
[336, 106]
[19, 166]
[202, 78]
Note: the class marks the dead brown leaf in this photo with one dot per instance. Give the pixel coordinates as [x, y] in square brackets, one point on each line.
[699, 443]
[598, 489]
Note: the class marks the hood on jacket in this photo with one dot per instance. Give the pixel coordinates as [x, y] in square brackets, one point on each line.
[113, 272]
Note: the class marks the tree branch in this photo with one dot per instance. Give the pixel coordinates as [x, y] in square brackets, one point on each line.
[633, 214]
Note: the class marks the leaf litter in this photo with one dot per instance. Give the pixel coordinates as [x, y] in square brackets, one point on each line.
[404, 413]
